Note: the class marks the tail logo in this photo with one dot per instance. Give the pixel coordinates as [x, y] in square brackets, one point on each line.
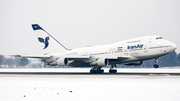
[46, 41]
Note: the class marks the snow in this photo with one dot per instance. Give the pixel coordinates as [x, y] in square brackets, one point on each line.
[28, 87]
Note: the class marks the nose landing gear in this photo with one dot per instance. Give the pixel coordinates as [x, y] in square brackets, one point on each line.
[156, 63]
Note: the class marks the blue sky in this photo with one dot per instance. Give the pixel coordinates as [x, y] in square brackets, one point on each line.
[79, 23]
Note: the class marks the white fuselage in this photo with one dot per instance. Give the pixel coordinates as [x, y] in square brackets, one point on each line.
[137, 49]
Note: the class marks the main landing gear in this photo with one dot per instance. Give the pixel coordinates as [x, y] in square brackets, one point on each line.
[156, 63]
[111, 70]
[96, 70]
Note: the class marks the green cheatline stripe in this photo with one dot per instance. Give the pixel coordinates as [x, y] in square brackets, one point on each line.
[120, 47]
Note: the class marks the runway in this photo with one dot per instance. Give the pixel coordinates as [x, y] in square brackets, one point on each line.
[78, 85]
[85, 71]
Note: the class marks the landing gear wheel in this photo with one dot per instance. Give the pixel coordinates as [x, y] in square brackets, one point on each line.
[156, 63]
[96, 71]
[92, 71]
[102, 71]
[156, 66]
[112, 71]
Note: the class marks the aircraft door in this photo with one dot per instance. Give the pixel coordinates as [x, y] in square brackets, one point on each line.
[86, 54]
[125, 51]
[150, 40]
[145, 48]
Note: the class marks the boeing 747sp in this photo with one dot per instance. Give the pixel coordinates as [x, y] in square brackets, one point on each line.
[128, 52]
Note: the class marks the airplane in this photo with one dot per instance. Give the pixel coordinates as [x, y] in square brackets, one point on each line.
[129, 52]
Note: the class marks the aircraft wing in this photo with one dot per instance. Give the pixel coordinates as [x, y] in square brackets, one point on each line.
[49, 56]
[33, 56]
[124, 57]
[86, 57]
[119, 57]
[77, 57]
[70, 57]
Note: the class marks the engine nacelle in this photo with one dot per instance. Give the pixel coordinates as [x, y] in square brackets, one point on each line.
[62, 61]
[100, 62]
[138, 63]
[59, 62]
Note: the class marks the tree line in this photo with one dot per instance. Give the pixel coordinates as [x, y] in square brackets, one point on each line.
[170, 60]
[13, 62]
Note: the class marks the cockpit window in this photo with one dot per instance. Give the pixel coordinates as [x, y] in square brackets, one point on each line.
[158, 38]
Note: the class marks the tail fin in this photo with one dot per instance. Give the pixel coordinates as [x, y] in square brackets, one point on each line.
[48, 43]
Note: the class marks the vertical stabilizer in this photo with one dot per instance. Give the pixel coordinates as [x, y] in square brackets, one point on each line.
[48, 43]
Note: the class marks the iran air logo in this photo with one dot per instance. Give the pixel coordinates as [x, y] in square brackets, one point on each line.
[138, 46]
[46, 41]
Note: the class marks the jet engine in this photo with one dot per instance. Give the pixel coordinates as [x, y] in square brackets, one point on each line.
[100, 62]
[138, 63]
[59, 62]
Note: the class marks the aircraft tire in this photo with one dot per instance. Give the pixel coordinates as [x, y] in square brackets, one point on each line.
[92, 71]
[96, 71]
[156, 66]
[112, 71]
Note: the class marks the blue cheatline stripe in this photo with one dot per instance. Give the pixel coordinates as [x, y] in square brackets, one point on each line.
[37, 27]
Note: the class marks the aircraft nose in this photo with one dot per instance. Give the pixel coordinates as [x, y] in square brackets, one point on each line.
[174, 46]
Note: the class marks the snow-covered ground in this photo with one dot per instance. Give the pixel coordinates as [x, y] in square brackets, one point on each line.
[26, 87]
